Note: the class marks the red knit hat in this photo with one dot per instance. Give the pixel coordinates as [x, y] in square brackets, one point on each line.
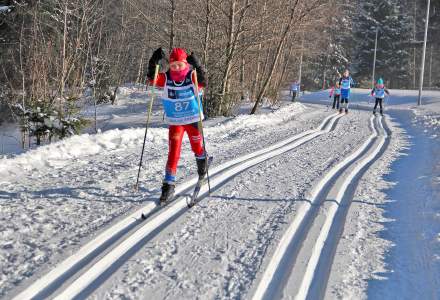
[178, 54]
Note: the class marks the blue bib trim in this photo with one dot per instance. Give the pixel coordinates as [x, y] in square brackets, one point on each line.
[346, 83]
[380, 93]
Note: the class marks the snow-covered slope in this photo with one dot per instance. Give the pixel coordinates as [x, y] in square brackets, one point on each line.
[60, 193]
[268, 169]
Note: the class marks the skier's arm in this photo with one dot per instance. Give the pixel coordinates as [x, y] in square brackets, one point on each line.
[331, 91]
[201, 74]
[155, 59]
[372, 92]
[386, 91]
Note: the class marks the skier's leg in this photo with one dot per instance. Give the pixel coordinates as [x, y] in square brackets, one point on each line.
[381, 107]
[175, 135]
[343, 106]
[375, 105]
[338, 98]
[196, 141]
[346, 105]
[195, 138]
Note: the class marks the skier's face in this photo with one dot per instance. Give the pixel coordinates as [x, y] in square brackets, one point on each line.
[177, 66]
[346, 73]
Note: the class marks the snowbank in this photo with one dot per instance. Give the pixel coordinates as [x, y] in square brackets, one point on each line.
[5, 9]
[429, 116]
[61, 153]
[254, 122]
[64, 152]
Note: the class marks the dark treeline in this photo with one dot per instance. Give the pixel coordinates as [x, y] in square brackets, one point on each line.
[55, 53]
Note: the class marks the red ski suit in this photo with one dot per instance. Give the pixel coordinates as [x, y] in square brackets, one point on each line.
[175, 136]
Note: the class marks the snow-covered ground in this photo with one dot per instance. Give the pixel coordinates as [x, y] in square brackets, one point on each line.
[58, 197]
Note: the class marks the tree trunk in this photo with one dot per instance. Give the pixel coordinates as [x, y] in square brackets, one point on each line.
[207, 33]
[173, 18]
[286, 64]
[63, 55]
[277, 56]
[257, 73]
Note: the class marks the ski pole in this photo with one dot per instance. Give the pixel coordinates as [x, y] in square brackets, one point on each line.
[200, 125]
[156, 72]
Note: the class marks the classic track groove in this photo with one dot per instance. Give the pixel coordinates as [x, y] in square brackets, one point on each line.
[302, 255]
[126, 236]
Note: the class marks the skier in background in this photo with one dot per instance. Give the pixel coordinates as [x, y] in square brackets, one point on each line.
[346, 83]
[181, 111]
[294, 90]
[379, 92]
[336, 93]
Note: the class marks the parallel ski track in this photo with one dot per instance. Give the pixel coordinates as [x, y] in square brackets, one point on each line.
[305, 253]
[135, 230]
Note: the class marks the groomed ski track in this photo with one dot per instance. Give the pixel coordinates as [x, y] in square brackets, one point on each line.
[81, 273]
[301, 263]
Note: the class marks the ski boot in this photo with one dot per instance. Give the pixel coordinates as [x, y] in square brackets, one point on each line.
[202, 167]
[374, 112]
[346, 111]
[340, 110]
[167, 193]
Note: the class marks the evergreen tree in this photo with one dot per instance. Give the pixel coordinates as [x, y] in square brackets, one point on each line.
[393, 54]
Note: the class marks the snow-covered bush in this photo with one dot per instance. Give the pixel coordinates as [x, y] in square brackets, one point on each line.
[45, 121]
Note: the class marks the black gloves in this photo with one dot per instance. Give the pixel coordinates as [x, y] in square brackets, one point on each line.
[157, 56]
[193, 60]
[195, 63]
[155, 59]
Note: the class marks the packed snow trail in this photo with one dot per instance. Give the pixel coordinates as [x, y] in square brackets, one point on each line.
[61, 197]
[203, 215]
[80, 185]
[111, 235]
[315, 231]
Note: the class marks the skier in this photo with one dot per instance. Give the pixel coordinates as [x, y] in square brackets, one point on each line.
[336, 93]
[379, 92]
[181, 111]
[294, 90]
[345, 82]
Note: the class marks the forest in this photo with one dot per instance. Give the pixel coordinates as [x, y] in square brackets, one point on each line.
[58, 55]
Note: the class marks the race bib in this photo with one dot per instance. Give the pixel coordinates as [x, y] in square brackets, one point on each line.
[380, 93]
[181, 106]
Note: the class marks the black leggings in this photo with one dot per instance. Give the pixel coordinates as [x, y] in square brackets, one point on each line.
[336, 101]
[344, 104]
[378, 102]
[293, 96]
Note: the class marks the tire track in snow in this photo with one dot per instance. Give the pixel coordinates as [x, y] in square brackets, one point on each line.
[302, 260]
[136, 231]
